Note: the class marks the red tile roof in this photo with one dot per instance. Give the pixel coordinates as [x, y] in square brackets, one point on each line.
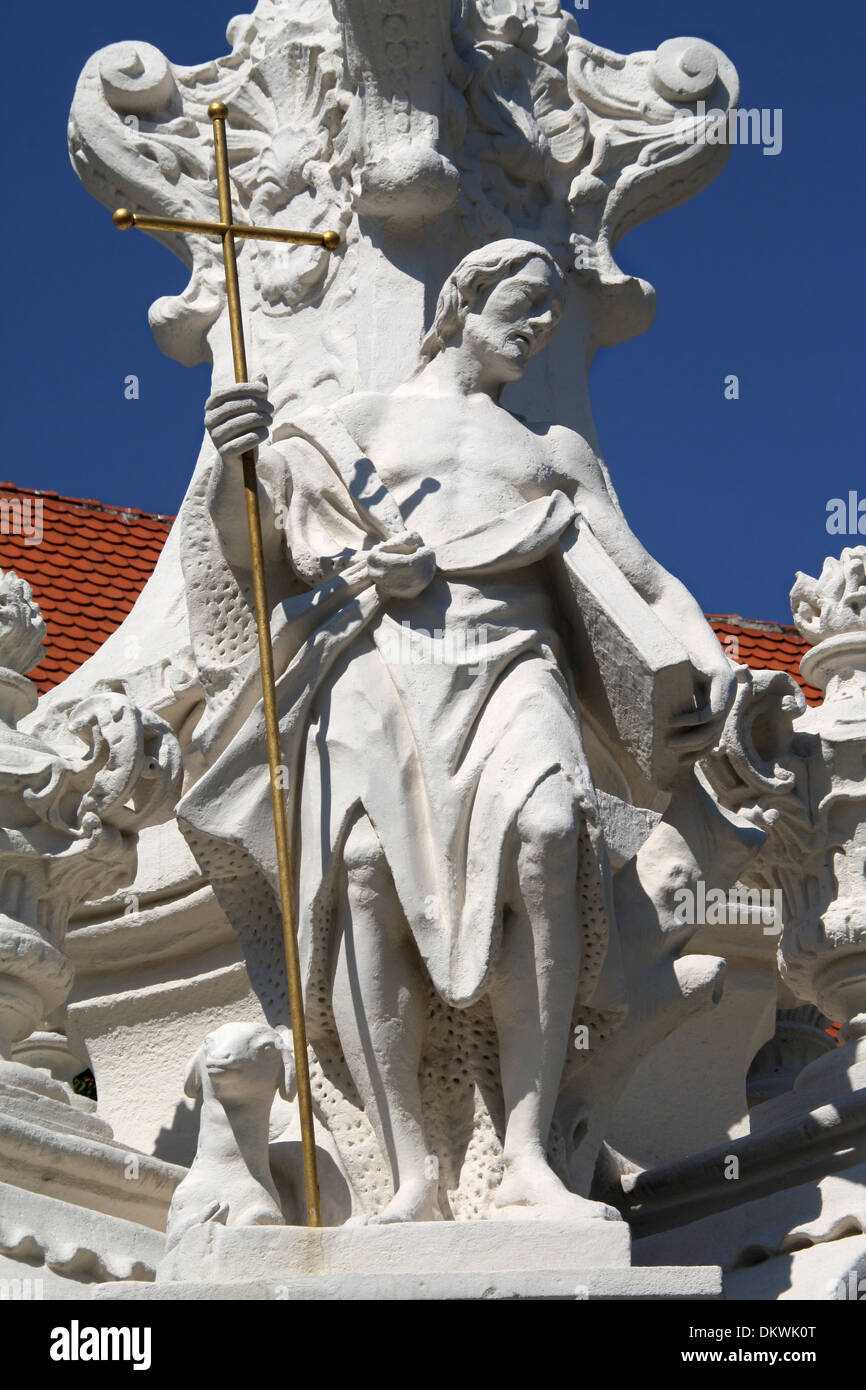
[86, 563]
[764, 646]
[92, 562]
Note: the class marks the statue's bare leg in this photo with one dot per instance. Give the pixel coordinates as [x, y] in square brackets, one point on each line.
[533, 996]
[380, 1008]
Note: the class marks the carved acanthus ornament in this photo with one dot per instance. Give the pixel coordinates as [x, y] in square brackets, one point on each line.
[498, 115]
[819, 859]
[70, 813]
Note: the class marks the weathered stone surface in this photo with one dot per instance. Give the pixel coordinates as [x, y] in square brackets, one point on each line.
[41, 1237]
[572, 1285]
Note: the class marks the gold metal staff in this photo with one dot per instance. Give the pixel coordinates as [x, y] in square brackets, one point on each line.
[227, 230]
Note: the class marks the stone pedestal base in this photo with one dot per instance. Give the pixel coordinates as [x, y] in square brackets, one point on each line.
[66, 1248]
[571, 1285]
[52, 1142]
[419, 1261]
[418, 1249]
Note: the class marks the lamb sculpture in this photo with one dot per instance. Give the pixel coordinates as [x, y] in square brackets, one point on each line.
[237, 1071]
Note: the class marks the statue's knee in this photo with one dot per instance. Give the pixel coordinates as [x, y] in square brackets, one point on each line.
[548, 823]
[364, 857]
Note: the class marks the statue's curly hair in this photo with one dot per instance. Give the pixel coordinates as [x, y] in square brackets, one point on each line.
[484, 267]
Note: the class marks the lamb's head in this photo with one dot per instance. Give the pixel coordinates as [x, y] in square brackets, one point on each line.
[243, 1061]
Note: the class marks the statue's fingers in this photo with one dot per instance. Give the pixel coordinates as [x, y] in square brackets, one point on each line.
[227, 435]
[222, 431]
[688, 718]
[376, 568]
[222, 409]
[243, 415]
[241, 444]
[405, 543]
[355, 572]
[241, 391]
[257, 387]
[693, 741]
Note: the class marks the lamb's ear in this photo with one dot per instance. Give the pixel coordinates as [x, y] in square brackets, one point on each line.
[192, 1076]
[287, 1087]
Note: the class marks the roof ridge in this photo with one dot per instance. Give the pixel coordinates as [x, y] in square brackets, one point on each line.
[755, 624]
[93, 503]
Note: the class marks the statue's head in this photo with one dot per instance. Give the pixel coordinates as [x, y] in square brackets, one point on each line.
[502, 301]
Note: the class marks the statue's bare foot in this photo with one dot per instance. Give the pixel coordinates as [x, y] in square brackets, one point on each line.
[414, 1200]
[530, 1188]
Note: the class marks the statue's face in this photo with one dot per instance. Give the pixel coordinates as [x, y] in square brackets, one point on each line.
[515, 319]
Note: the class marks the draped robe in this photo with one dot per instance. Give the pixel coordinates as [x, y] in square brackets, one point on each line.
[437, 715]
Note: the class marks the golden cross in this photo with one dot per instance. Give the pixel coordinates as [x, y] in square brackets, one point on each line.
[228, 230]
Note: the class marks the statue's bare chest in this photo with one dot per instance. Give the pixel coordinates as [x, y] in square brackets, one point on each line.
[451, 460]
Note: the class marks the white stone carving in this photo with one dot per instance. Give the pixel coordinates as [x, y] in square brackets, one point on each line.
[818, 861]
[70, 811]
[69, 1246]
[799, 1202]
[670, 1080]
[426, 883]
[434, 803]
[481, 121]
[418, 131]
[70, 814]
[510, 737]
[832, 605]
[237, 1071]
[426, 1258]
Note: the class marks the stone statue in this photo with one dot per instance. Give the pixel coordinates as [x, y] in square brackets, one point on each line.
[449, 836]
[511, 742]
[419, 132]
[237, 1071]
[495, 707]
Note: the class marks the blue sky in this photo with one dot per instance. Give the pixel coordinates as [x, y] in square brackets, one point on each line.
[760, 276]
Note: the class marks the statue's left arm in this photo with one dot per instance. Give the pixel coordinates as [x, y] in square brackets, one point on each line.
[691, 730]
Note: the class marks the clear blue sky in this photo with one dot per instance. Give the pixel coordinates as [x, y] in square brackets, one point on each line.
[761, 276]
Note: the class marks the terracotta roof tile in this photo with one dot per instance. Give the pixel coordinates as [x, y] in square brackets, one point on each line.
[767, 646]
[87, 570]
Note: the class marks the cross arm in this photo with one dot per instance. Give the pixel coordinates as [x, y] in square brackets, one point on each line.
[124, 219]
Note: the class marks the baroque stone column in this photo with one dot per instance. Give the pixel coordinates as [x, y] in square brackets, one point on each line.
[805, 1155]
[823, 948]
[35, 973]
[71, 808]
[69, 816]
